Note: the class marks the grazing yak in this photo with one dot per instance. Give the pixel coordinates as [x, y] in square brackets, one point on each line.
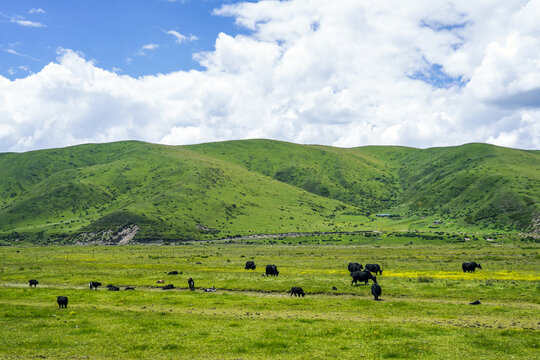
[62, 301]
[191, 284]
[113, 288]
[470, 266]
[373, 268]
[33, 282]
[250, 265]
[376, 289]
[172, 272]
[94, 285]
[476, 302]
[272, 270]
[129, 288]
[297, 291]
[361, 276]
[355, 267]
[168, 287]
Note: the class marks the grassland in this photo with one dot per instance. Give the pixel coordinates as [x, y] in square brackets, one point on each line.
[424, 312]
[220, 190]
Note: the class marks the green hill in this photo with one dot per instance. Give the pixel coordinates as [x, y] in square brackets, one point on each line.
[104, 191]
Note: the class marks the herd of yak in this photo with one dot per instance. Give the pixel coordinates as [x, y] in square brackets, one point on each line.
[357, 271]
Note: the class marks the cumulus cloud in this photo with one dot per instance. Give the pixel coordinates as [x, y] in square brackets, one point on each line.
[348, 73]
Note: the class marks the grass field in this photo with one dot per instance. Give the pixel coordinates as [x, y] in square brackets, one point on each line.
[424, 312]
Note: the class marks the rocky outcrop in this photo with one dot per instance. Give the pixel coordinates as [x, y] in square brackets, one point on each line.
[122, 236]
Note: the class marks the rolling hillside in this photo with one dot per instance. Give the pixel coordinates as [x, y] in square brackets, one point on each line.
[105, 191]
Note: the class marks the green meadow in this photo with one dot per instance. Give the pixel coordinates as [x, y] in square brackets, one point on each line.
[424, 312]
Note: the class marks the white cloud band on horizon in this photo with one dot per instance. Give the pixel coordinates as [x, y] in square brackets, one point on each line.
[428, 73]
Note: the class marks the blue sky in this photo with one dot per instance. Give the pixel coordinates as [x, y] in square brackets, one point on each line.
[342, 73]
[110, 32]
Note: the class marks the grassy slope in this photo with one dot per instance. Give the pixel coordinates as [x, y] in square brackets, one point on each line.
[347, 175]
[262, 186]
[473, 184]
[165, 190]
[481, 184]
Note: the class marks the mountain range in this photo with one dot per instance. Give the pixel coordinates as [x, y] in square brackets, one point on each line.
[130, 189]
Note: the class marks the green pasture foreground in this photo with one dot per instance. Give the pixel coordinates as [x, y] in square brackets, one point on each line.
[424, 313]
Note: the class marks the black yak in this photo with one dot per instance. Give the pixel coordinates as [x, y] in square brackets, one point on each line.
[376, 289]
[470, 266]
[373, 268]
[94, 285]
[168, 287]
[355, 267]
[62, 301]
[361, 276]
[33, 282]
[297, 291]
[250, 265]
[191, 284]
[272, 270]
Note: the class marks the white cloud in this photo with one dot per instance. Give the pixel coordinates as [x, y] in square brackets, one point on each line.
[36, 11]
[144, 50]
[12, 51]
[27, 23]
[348, 73]
[150, 47]
[180, 38]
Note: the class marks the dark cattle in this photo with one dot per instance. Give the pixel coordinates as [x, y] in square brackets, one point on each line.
[212, 289]
[168, 287]
[172, 273]
[361, 276]
[33, 282]
[113, 288]
[94, 285]
[297, 291]
[272, 270]
[470, 266]
[129, 288]
[250, 265]
[62, 301]
[476, 302]
[376, 289]
[355, 267]
[191, 284]
[373, 268]
[334, 288]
